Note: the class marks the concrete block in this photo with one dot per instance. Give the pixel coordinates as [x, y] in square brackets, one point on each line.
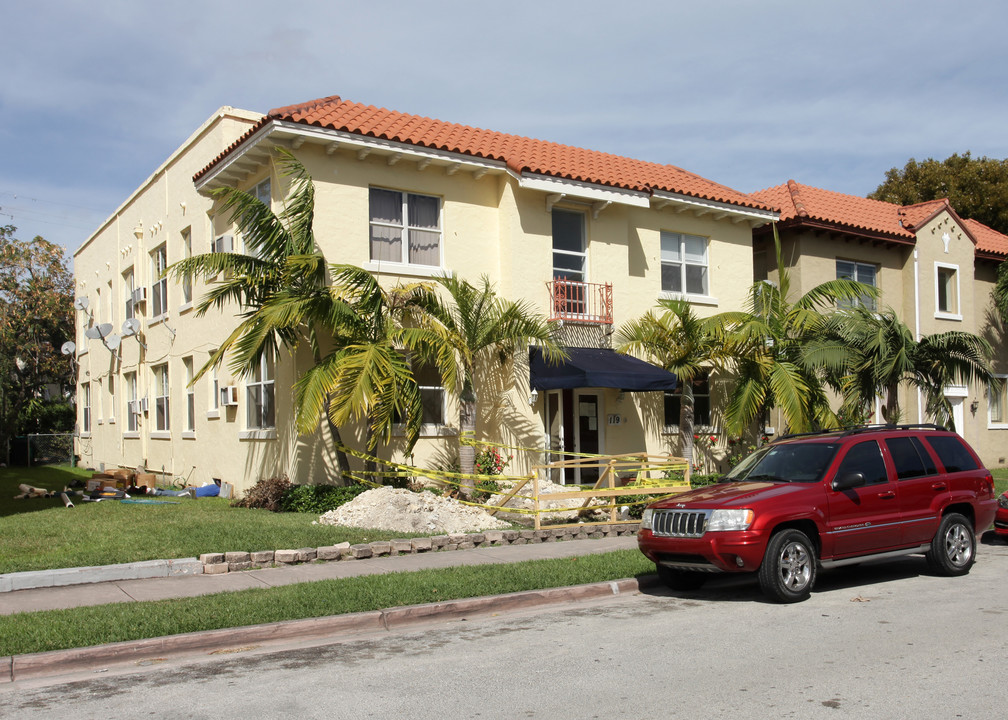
[402, 546]
[457, 538]
[510, 535]
[211, 558]
[421, 544]
[439, 541]
[262, 557]
[285, 557]
[494, 537]
[185, 566]
[306, 554]
[238, 566]
[477, 538]
[330, 552]
[215, 569]
[466, 545]
[361, 552]
[381, 547]
[237, 557]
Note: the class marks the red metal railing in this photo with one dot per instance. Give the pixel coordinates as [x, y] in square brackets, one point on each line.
[580, 302]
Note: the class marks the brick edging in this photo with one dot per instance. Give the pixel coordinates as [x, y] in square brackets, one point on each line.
[219, 563]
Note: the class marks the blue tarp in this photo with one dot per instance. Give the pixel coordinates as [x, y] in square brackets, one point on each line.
[597, 367]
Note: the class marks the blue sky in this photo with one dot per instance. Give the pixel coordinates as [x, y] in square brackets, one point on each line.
[96, 95]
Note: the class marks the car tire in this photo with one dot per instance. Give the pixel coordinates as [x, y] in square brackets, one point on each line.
[788, 571]
[680, 579]
[953, 548]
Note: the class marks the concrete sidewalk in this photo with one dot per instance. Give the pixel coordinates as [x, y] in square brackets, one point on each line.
[191, 585]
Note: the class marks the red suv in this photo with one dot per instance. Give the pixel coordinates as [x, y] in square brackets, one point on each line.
[824, 500]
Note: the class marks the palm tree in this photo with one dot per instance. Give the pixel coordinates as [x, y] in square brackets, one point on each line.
[680, 342]
[781, 352]
[1000, 292]
[479, 324]
[283, 264]
[885, 356]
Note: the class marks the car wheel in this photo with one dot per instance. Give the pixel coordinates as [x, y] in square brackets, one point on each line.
[788, 571]
[680, 579]
[953, 549]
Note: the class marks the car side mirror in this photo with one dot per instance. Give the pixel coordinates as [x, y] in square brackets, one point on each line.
[848, 481]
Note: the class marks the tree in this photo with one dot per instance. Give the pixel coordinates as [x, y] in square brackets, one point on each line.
[976, 187]
[680, 342]
[780, 351]
[1000, 292]
[36, 318]
[479, 324]
[283, 264]
[884, 356]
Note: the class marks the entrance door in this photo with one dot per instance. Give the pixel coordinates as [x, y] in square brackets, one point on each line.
[554, 426]
[588, 432]
[956, 395]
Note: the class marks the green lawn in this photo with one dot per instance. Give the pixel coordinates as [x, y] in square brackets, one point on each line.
[39, 534]
[81, 627]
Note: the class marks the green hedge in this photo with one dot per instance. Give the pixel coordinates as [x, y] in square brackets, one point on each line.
[318, 499]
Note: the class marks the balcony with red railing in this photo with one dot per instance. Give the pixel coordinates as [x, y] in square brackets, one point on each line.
[580, 302]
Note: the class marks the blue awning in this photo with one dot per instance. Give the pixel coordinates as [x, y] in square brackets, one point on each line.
[597, 367]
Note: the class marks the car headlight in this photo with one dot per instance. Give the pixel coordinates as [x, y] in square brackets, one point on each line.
[645, 521]
[1003, 500]
[721, 520]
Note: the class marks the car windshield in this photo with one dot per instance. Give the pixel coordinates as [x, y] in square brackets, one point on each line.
[787, 462]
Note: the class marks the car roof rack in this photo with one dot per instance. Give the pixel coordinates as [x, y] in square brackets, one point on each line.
[855, 430]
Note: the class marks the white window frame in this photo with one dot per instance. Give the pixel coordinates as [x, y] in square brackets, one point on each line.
[110, 387]
[999, 399]
[404, 227]
[132, 424]
[213, 404]
[159, 287]
[162, 400]
[86, 409]
[261, 385]
[562, 273]
[187, 280]
[189, 430]
[954, 270]
[669, 237]
[859, 269]
[129, 286]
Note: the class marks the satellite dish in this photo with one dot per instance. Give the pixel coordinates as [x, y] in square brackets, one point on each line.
[104, 329]
[68, 348]
[81, 303]
[93, 332]
[112, 342]
[130, 327]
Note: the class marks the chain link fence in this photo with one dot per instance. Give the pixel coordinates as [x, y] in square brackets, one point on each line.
[52, 449]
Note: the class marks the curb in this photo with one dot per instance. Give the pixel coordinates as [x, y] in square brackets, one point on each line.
[37, 665]
[61, 577]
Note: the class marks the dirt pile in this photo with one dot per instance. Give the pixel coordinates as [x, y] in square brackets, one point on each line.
[399, 510]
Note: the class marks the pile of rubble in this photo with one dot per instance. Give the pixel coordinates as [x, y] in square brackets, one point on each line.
[399, 510]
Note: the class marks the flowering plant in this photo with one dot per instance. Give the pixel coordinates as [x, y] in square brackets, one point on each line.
[490, 461]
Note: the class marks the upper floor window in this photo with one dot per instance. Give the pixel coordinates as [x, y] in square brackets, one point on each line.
[684, 264]
[86, 408]
[132, 409]
[858, 272]
[128, 288]
[187, 253]
[405, 228]
[159, 283]
[261, 192]
[946, 290]
[190, 422]
[259, 390]
[569, 255]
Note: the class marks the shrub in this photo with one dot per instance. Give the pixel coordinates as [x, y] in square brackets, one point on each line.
[267, 494]
[485, 489]
[319, 499]
[490, 461]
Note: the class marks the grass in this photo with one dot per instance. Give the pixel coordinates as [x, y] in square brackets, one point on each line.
[82, 627]
[40, 534]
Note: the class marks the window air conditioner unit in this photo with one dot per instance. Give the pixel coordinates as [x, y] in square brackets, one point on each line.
[133, 407]
[143, 403]
[223, 244]
[140, 295]
[229, 395]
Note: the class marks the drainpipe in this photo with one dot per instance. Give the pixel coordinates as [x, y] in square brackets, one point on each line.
[917, 332]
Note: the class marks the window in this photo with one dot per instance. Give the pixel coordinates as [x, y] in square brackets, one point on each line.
[953, 455]
[569, 256]
[261, 192]
[684, 264]
[910, 458]
[190, 422]
[431, 393]
[128, 288]
[865, 458]
[701, 402]
[214, 384]
[187, 253]
[405, 228]
[159, 284]
[86, 408]
[161, 404]
[946, 290]
[132, 406]
[111, 399]
[259, 391]
[997, 402]
[858, 272]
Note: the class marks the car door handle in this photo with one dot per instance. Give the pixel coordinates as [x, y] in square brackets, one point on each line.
[887, 495]
[939, 486]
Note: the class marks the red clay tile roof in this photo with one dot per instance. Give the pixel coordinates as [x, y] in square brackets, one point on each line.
[520, 154]
[988, 240]
[916, 216]
[804, 203]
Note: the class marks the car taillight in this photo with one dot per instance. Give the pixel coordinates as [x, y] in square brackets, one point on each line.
[989, 481]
